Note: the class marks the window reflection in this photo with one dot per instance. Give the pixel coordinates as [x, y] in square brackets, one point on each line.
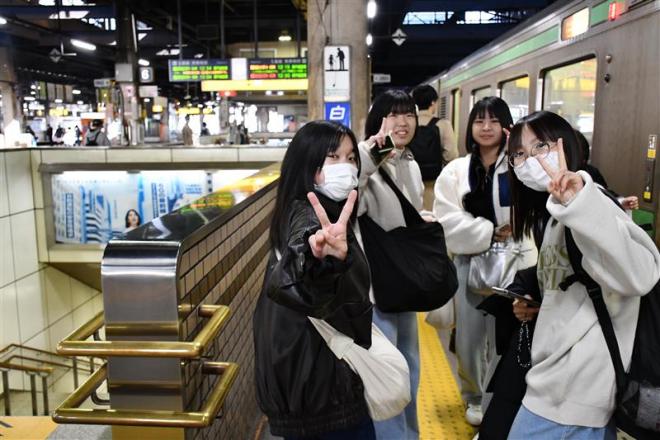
[516, 94]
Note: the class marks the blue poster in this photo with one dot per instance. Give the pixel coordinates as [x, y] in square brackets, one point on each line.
[338, 112]
[93, 207]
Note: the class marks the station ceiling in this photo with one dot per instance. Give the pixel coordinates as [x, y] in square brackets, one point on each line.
[33, 30]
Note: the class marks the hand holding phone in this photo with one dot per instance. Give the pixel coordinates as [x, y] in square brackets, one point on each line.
[509, 294]
[378, 153]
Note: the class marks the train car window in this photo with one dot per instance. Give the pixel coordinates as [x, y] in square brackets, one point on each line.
[516, 93]
[570, 91]
[480, 94]
[455, 108]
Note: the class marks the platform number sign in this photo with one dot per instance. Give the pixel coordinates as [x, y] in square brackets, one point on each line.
[338, 112]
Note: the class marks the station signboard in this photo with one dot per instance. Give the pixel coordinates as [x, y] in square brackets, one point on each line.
[198, 70]
[277, 68]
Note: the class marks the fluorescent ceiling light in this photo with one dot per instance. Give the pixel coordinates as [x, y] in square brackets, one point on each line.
[199, 55]
[371, 9]
[58, 101]
[280, 93]
[167, 52]
[285, 37]
[370, 39]
[33, 86]
[143, 62]
[83, 44]
[269, 92]
[147, 100]
[76, 92]
[69, 15]
[79, 102]
[3, 20]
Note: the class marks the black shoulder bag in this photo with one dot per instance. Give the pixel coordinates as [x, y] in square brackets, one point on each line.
[410, 268]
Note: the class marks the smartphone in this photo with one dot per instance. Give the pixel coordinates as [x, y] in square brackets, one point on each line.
[513, 295]
[379, 154]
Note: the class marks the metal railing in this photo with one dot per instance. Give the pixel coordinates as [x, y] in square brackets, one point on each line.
[40, 363]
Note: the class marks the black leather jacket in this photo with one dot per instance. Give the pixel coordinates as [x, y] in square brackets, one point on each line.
[301, 386]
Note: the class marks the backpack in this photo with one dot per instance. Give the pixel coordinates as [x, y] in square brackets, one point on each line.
[92, 142]
[637, 409]
[426, 146]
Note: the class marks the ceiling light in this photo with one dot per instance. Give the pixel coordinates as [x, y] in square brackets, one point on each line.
[199, 55]
[371, 9]
[147, 100]
[269, 92]
[76, 92]
[143, 62]
[284, 36]
[370, 39]
[79, 102]
[3, 20]
[58, 101]
[167, 52]
[280, 93]
[83, 44]
[28, 98]
[33, 86]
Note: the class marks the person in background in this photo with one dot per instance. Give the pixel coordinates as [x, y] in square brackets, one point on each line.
[316, 269]
[187, 133]
[132, 220]
[571, 385]
[95, 136]
[78, 136]
[628, 203]
[205, 131]
[49, 135]
[472, 202]
[393, 112]
[426, 99]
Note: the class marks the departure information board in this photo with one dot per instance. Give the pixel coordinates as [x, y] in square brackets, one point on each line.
[198, 70]
[277, 68]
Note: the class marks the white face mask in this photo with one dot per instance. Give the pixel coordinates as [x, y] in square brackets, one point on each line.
[532, 174]
[340, 179]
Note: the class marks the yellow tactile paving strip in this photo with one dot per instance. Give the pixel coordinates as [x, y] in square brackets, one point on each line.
[26, 428]
[440, 410]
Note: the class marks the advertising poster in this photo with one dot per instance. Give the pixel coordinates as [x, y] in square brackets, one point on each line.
[93, 207]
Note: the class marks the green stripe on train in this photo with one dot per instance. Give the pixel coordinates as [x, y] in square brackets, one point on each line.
[538, 41]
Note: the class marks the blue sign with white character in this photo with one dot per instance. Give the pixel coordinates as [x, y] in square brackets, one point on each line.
[338, 112]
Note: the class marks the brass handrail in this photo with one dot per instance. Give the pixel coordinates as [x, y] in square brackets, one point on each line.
[38, 370]
[76, 345]
[68, 411]
[10, 347]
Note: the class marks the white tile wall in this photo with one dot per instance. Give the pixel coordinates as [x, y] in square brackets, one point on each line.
[35, 159]
[9, 310]
[31, 306]
[24, 243]
[81, 293]
[19, 181]
[6, 253]
[57, 286]
[4, 195]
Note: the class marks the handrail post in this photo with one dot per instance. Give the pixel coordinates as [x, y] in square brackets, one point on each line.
[5, 388]
[44, 385]
[91, 365]
[75, 372]
[33, 392]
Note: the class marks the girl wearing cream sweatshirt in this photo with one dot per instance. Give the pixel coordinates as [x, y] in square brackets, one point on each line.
[571, 386]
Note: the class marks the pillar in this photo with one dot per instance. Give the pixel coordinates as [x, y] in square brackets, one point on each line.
[344, 22]
[126, 70]
[11, 109]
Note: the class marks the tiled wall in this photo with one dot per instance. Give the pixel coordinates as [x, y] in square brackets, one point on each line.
[39, 305]
[227, 267]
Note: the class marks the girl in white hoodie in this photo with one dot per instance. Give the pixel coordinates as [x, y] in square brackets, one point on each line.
[472, 200]
[571, 386]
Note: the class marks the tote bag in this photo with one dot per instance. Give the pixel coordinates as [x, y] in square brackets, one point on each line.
[410, 268]
[382, 368]
[496, 267]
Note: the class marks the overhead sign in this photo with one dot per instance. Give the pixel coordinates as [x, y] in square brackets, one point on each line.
[399, 37]
[254, 85]
[55, 55]
[338, 112]
[277, 68]
[148, 91]
[337, 73]
[146, 74]
[382, 78]
[102, 83]
[198, 70]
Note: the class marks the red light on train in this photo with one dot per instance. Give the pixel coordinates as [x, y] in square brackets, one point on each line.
[614, 11]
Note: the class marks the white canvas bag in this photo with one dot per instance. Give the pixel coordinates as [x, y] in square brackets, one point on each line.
[383, 369]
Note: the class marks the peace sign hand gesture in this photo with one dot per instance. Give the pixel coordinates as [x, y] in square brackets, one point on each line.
[564, 184]
[331, 239]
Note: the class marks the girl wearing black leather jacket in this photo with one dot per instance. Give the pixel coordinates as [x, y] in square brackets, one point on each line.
[306, 392]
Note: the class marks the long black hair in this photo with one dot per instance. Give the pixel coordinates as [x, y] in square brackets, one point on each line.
[528, 212]
[390, 101]
[303, 159]
[493, 106]
[136, 214]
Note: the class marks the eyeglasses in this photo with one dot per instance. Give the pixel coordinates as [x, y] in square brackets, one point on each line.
[517, 159]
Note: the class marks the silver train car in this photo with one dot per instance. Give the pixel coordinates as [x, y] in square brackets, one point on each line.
[596, 63]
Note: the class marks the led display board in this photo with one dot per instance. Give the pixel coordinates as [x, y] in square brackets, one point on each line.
[277, 68]
[198, 70]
